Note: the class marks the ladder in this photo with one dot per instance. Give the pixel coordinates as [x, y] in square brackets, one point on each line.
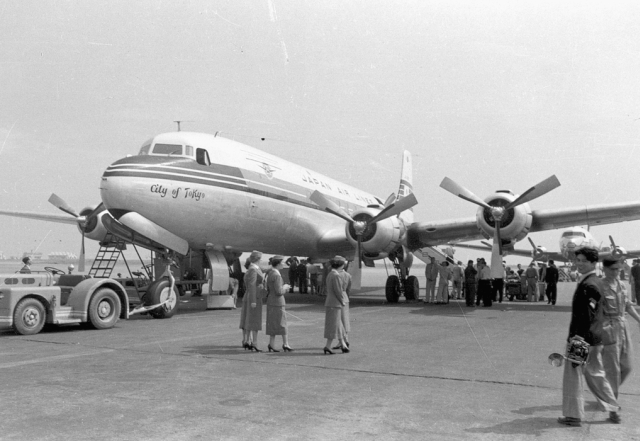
[107, 257]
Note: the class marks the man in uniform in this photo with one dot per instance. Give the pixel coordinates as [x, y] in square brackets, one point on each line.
[443, 285]
[484, 284]
[431, 273]
[584, 314]
[531, 274]
[457, 276]
[635, 280]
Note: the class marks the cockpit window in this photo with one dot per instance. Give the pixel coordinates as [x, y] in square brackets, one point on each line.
[144, 150]
[188, 150]
[202, 157]
[573, 233]
[167, 149]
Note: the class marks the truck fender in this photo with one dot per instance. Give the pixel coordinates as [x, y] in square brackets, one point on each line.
[81, 296]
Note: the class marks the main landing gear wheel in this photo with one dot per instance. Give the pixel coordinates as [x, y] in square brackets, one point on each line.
[29, 317]
[54, 271]
[104, 309]
[412, 288]
[158, 292]
[392, 289]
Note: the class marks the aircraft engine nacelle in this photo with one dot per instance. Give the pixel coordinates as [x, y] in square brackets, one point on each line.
[515, 224]
[539, 252]
[378, 239]
[93, 226]
[618, 252]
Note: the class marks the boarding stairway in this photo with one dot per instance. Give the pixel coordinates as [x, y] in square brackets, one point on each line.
[110, 250]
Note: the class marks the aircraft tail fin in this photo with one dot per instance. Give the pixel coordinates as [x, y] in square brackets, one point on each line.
[406, 184]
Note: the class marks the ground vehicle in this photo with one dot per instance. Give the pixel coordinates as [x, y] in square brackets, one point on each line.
[28, 301]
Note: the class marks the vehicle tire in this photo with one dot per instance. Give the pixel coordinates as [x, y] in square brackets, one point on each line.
[29, 317]
[104, 309]
[158, 292]
[392, 289]
[412, 288]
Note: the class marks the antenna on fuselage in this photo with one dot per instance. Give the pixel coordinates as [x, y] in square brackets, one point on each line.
[181, 121]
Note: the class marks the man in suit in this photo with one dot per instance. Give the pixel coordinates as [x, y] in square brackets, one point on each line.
[584, 315]
[551, 277]
[431, 273]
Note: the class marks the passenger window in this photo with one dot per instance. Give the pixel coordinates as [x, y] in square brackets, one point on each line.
[11, 281]
[202, 157]
[28, 281]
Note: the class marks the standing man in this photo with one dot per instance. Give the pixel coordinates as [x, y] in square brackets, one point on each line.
[293, 271]
[301, 272]
[26, 269]
[584, 315]
[551, 277]
[313, 271]
[443, 285]
[542, 275]
[431, 273]
[634, 281]
[498, 285]
[484, 284]
[470, 283]
[457, 276]
[531, 275]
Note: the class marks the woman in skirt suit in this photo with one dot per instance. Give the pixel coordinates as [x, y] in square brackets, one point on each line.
[276, 319]
[336, 300]
[251, 316]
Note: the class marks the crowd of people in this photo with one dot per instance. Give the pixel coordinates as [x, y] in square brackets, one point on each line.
[475, 284]
[269, 287]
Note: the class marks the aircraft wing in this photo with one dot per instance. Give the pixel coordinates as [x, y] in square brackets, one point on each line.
[424, 234]
[62, 219]
[557, 257]
[588, 215]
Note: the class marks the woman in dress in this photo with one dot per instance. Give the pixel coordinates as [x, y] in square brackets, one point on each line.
[251, 316]
[336, 300]
[616, 357]
[276, 319]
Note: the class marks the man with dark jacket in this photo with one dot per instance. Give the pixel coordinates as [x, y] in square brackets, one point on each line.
[551, 277]
[584, 317]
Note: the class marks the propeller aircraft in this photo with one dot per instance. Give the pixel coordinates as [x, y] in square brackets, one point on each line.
[570, 241]
[188, 193]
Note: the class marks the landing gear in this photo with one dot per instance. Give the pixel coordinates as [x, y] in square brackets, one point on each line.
[160, 292]
[401, 283]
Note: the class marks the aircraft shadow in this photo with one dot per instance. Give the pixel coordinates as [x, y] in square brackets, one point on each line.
[453, 307]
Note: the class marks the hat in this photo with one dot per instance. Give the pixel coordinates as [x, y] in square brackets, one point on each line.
[277, 257]
[339, 259]
[255, 256]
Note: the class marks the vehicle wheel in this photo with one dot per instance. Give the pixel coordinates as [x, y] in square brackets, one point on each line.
[29, 317]
[392, 289]
[412, 288]
[104, 309]
[158, 292]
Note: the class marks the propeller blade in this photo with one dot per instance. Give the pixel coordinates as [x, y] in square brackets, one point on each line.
[329, 206]
[536, 191]
[390, 199]
[485, 243]
[359, 250]
[532, 244]
[58, 202]
[613, 244]
[458, 190]
[496, 255]
[81, 258]
[396, 208]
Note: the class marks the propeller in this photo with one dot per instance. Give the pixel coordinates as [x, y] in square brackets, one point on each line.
[537, 251]
[497, 212]
[61, 204]
[616, 251]
[360, 226]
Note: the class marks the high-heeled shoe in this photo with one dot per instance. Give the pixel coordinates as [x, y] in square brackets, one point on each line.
[286, 348]
[327, 351]
[254, 348]
[246, 346]
[339, 346]
[345, 350]
[271, 349]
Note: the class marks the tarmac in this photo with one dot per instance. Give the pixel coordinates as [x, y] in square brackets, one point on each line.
[415, 371]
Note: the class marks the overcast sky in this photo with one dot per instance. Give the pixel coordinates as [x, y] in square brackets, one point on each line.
[491, 94]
